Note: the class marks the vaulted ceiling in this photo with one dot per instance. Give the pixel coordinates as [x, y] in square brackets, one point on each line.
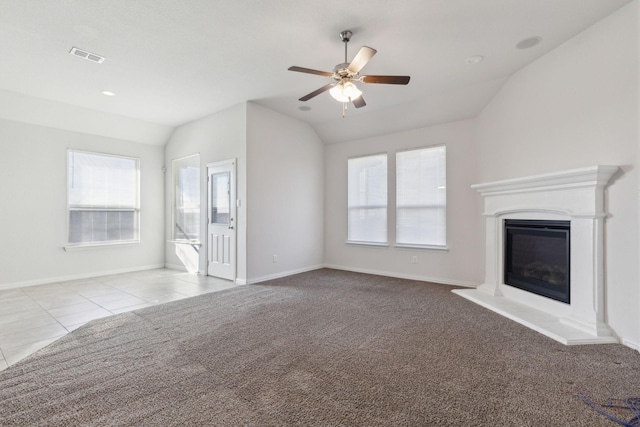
[170, 62]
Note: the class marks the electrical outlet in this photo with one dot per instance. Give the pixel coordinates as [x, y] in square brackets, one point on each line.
[414, 259]
[275, 258]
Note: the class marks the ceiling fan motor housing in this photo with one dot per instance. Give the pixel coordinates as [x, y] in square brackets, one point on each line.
[341, 72]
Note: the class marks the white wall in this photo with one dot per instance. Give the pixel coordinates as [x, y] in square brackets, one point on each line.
[220, 136]
[578, 106]
[463, 263]
[284, 195]
[33, 190]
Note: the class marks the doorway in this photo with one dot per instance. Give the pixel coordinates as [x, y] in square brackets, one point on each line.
[221, 223]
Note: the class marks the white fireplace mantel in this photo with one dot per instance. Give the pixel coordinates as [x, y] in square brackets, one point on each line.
[577, 196]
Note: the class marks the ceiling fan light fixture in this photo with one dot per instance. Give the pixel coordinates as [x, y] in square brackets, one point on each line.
[345, 92]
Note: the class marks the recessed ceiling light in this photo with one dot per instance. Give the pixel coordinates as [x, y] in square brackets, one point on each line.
[108, 93]
[304, 108]
[474, 59]
[528, 43]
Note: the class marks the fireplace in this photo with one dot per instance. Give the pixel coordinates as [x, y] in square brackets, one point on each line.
[535, 212]
[536, 257]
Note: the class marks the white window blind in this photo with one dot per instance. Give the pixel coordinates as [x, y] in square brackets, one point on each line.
[421, 197]
[103, 202]
[186, 188]
[367, 199]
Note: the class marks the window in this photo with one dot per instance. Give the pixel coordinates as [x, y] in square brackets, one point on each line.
[367, 199]
[102, 197]
[186, 195]
[421, 197]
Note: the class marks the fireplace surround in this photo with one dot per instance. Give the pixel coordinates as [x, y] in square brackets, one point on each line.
[575, 197]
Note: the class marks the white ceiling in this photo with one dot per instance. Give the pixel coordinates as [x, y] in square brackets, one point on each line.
[173, 61]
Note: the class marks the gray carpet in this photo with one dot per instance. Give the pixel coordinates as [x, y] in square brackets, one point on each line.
[326, 348]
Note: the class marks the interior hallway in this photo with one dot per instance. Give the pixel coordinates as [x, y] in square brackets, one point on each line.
[35, 316]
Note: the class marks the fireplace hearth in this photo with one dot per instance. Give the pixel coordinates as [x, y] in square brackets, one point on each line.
[536, 257]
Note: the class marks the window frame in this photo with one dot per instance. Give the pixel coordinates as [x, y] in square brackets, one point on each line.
[174, 193]
[136, 209]
[427, 246]
[384, 243]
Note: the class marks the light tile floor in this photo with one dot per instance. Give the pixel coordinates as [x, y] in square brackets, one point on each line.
[35, 316]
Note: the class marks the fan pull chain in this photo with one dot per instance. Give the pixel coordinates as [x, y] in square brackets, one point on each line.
[344, 109]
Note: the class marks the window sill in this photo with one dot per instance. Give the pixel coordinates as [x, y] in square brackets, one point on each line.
[69, 248]
[379, 245]
[433, 248]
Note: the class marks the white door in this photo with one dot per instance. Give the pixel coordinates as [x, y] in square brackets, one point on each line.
[221, 225]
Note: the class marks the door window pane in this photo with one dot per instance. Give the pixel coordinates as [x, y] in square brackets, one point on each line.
[220, 198]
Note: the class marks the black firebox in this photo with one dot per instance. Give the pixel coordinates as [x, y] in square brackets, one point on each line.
[537, 257]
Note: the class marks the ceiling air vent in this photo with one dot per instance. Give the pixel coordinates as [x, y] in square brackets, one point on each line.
[87, 55]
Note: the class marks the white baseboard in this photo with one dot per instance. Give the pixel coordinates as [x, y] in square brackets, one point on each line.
[175, 267]
[279, 275]
[631, 344]
[76, 277]
[360, 270]
[406, 276]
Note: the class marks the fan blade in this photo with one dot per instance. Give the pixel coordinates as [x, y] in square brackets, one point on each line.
[389, 80]
[310, 71]
[359, 102]
[317, 92]
[362, 57]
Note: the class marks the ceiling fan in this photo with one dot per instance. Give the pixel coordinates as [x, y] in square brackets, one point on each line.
[342, 88]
